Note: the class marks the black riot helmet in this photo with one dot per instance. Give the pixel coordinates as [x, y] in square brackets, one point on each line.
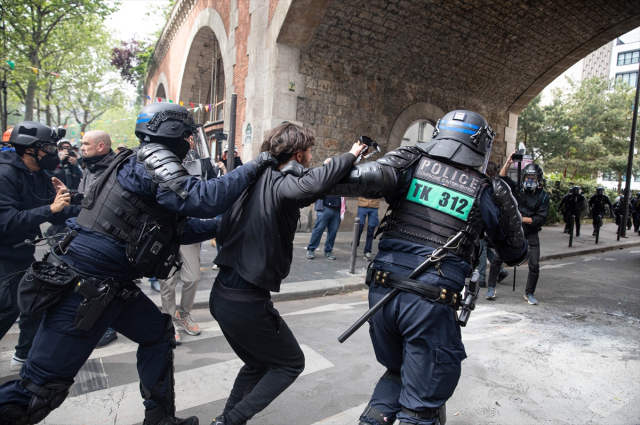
[600, 191]
[30, 134]
[462, 137]
[638, 194]
[530, 171]
[575, 190]
[164, 123]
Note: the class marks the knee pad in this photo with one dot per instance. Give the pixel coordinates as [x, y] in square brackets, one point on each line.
[45, 398]
[373, 416]
[167, 336]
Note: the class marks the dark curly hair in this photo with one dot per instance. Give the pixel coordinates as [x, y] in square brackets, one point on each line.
[492, 169]
[287, 139]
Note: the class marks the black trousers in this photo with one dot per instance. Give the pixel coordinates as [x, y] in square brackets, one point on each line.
[11, 273]
[534, 265]
[259, 336]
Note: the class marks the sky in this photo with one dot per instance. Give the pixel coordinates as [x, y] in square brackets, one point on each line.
[130, 20]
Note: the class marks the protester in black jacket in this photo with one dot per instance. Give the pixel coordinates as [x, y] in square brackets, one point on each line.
[256, 235]
[27, 200]
[533, 204]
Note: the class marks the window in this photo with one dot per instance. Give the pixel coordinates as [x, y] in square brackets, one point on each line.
[628, 58]
[630, 78]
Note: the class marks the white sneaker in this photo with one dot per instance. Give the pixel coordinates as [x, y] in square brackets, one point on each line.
[188, 324]
[16, 363]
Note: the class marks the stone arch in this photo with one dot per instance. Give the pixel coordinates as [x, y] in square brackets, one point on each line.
[162, 86]
[421, 111]
[209, 25]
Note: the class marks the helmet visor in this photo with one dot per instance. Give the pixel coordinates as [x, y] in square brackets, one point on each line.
[47, 147]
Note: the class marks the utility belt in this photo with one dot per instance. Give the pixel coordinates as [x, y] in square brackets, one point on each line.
[431, 292]
[44, 284]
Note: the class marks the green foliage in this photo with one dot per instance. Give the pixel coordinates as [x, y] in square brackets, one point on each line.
[584, 132]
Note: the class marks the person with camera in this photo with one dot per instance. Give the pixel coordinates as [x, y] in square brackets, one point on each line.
[597, 204]
[132, 223]
[533, 205]
[68, 172]
[29, 198]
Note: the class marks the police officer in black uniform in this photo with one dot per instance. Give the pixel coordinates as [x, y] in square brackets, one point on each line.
[435, 191]
[131, 225]
[618, 209]
[634, 207]
[597, 204]
[572, 203]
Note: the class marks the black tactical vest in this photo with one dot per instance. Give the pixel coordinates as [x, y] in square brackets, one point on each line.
[151, 232]
[441, 200]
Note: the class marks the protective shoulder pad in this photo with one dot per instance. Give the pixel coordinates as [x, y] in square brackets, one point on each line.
[510, 219]
[371, 180]
[401, 158]
[164, 167]
[294, 168]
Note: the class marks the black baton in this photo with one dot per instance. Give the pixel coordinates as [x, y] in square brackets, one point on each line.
[438, 254]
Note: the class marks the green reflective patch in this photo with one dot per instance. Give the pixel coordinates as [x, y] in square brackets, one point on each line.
[440, 198]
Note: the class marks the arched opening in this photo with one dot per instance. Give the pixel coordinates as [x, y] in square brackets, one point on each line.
[203, 82]
[419, 132]
[161, 93]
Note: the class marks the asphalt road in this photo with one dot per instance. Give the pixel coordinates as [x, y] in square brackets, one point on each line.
[574, 359]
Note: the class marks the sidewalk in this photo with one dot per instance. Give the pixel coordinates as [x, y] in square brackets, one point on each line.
[322, 277]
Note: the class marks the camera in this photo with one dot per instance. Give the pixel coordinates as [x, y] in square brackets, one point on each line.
[71, 152]
[518, 155]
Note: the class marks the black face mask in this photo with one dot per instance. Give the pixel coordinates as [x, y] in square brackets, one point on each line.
[48, 162]
[182, 149]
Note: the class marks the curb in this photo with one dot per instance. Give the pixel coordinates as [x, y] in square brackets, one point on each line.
[588, 251]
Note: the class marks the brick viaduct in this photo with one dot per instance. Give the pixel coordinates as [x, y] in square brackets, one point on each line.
[344, 68]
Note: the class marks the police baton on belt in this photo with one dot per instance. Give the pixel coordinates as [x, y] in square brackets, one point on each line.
[435, 257]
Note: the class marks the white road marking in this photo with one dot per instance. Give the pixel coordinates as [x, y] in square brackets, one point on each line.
[348, 417]
[327, 307]
[555, 266]
[123, 404]
[478, 328]
[634, 252]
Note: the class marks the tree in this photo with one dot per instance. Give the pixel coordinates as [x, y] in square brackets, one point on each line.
[130, 59]
[31, 30]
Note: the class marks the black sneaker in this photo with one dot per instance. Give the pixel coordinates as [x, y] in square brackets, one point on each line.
[330, 255]
[109, 336]
[502, 275]
[220, 420]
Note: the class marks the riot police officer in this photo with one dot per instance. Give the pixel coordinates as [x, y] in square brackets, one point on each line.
[435, 193]
[131, 225]
[618, 209]
[574, 204]
[634, 211]
[597, 204]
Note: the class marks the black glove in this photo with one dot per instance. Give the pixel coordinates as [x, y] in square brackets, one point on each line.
[263, 161]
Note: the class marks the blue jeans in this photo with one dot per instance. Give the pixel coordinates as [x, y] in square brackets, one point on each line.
[328, 219]
[372, 213]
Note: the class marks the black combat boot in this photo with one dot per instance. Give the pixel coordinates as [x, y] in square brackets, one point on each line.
[159, 416]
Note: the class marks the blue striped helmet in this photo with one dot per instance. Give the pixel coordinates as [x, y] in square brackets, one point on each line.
[159, 122]
[462, 137]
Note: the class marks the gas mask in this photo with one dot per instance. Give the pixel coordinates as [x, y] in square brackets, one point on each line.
[530, 184]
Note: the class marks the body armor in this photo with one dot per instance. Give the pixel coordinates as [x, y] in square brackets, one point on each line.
[442, 200]
[150, 232]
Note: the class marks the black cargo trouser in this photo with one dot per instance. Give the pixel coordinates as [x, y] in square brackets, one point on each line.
[534, 265]
[11, 273]
[263, 341]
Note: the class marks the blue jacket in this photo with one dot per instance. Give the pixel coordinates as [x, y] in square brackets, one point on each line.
[402, 257]
[25, 199]
[103, 256]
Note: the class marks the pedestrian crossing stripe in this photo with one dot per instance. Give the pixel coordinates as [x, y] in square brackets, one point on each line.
[123, 404]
